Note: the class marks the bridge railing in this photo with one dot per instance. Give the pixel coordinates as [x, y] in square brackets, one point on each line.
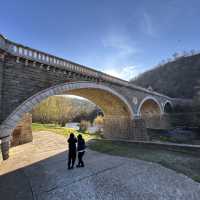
[34, 55]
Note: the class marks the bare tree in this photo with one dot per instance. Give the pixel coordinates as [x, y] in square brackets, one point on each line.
[175, 55]
[193, 52]
[59, 109]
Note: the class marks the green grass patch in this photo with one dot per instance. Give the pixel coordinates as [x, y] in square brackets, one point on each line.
[182, 162]
[62, 130]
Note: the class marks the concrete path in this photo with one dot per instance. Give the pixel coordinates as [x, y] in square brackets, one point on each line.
[39, 171]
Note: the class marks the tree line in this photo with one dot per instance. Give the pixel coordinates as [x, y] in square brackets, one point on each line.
[63, 109]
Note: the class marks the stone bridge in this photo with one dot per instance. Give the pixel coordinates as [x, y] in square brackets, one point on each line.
[28, 76]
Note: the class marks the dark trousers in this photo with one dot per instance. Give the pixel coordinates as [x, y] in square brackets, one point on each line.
[71, 159]
[80, 159]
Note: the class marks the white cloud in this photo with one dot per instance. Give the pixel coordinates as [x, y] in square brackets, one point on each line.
[121, 52]
[125, 73]
[147, 25]
[121, 43]
[116, 56]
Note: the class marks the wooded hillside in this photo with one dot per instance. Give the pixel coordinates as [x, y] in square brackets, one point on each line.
[178, 78]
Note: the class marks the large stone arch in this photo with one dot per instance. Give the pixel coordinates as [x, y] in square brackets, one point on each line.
[116, 108]
[151, 104]
[118, 114]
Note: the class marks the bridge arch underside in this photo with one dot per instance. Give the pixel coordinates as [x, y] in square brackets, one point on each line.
[118, 113]
[150, 111]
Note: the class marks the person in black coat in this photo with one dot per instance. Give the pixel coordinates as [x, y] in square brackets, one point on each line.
[81, 150]
[72, 151]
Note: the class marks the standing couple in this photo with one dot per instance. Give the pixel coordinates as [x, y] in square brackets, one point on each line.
[72, 151]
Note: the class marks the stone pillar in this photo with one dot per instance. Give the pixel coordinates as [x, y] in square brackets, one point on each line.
[138, 130]
[5, 145]
[116, 127]
[22, 133]
[1, 87]
[158, 122]
[123, 127]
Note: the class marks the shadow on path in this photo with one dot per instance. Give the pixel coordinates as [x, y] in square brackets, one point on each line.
[43, 175]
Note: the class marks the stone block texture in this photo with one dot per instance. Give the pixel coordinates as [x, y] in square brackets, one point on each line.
[23, 132]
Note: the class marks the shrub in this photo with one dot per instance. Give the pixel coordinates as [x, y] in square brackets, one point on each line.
[99, 120]
[84, 125]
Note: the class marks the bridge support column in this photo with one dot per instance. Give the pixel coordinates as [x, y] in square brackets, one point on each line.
[158, 122]
[138, 130]
[115, 127]
[5, 145]
[125, 128]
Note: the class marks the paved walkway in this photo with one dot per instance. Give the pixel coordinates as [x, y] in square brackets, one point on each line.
[39, 171]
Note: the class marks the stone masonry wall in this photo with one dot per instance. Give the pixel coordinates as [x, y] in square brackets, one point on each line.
[22, 80]
[23, 132]
[124, 128]
[1, 84]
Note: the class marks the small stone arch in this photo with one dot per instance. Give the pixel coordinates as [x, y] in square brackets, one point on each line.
[167, 107]
[153, 100]
[10, 123]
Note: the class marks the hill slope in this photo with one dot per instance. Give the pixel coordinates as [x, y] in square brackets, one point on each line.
[175, 79]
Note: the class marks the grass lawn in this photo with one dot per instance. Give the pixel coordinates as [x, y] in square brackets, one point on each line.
[62, 130]
[181, 162]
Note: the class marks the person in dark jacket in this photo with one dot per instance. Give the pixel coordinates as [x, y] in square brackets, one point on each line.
[81, 150]
[72, 151]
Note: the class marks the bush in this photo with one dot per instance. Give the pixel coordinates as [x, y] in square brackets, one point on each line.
[84, 125]
[99, 120]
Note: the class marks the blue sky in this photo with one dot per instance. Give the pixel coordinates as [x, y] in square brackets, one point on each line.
[120, 37]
